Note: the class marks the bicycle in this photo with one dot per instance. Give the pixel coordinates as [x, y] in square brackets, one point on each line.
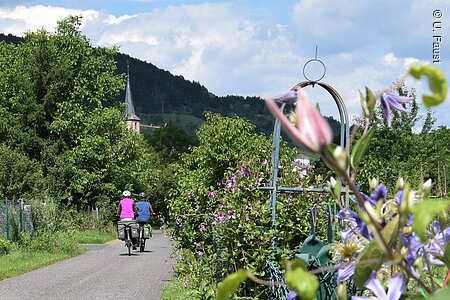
[127, 230]
[143, 235]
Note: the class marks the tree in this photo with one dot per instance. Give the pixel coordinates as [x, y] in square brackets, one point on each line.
[59, 110]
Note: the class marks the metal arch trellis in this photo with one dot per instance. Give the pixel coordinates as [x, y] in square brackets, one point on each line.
[344, 143]
[327, 285]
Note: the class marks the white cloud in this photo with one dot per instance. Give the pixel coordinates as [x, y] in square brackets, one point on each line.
[230, 51]
[21, 19]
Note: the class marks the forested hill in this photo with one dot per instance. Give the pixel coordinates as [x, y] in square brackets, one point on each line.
[157, 92]
[161, 97]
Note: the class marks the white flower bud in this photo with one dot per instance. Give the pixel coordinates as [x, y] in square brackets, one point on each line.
[373, 184]
[400, 183]
[427, 185]
[341, 157]
[332, 182]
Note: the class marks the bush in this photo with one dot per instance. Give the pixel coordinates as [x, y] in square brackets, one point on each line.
[223, 220]
[54, 242]
[5, 247]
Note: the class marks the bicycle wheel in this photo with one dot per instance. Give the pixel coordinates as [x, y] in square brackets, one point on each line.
[142, 245]
[129, 243]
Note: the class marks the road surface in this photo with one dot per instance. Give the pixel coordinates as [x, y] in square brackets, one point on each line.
[104, 272]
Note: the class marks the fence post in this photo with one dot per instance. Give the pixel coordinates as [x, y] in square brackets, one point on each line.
[21, 215]
[7, 218]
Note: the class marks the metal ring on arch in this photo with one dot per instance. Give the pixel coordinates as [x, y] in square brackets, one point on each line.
[345, 127]
[324, 70]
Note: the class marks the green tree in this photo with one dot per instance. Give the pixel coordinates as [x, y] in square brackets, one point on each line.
[59, 110]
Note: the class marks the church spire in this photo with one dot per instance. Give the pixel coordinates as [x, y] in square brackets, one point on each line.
[131, 118]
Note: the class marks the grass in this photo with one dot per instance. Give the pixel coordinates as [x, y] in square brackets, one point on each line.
[94, 237]
[22, 261]
[176, 290]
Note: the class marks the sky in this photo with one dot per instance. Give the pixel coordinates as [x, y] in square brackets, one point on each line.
[260, 48]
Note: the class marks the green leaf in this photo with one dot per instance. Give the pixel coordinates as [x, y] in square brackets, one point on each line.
[301, 282]
[367, 102]
[436, 82]
[360, 147]
[424, 213]
[371, 101]
[230, 284]
[372, 251]
[442, 294]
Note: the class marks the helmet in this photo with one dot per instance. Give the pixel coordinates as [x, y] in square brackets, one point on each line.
[142, 195]
[126, 194]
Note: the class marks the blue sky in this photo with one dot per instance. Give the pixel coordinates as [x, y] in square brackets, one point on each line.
[260, 47]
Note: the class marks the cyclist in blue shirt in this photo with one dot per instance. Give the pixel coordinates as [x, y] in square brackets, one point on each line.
[145, 209]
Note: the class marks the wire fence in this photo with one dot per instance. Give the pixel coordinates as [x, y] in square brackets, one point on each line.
[15, 217]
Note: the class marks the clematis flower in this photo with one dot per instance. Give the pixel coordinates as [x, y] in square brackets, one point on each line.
[289, 97]
[396, 286]
[355, 221]
[346, 271]
[379, 193]
[313, 132]
[292, 295]
[389, 101]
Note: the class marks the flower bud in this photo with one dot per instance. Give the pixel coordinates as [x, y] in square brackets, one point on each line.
[313, 132]
[400, 184]
[373, 184]
[332, 182]
[342, 291]
[341, 157]
[426, 187]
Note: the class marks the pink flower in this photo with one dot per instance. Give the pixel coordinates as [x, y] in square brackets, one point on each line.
[231, 214]
[212, 195]
[313, 132]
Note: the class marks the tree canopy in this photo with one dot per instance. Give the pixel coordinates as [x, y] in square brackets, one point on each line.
[62, 132]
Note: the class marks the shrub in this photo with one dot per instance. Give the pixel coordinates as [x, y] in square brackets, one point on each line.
[5, 247]
[54, 242]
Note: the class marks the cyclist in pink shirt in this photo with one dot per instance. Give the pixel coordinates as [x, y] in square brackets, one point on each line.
[126, 209]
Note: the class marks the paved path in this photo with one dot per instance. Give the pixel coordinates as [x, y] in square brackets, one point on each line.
[104, 272]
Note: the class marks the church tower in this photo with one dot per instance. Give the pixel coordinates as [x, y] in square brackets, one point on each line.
[132, 120]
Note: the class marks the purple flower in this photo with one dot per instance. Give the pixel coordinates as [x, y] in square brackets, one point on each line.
[212, 195]
[232, 182]
[292, 295]
[191, 195]
[231, 214]
[202, 228]
[355, 220]
[396, 286]
[245, 171]
[379, 193]
[289, 97]
[345, 271]
[388, 101]
[186, 283]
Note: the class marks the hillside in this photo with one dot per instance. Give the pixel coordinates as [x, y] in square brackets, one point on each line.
[161, 97]
[157, 92]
